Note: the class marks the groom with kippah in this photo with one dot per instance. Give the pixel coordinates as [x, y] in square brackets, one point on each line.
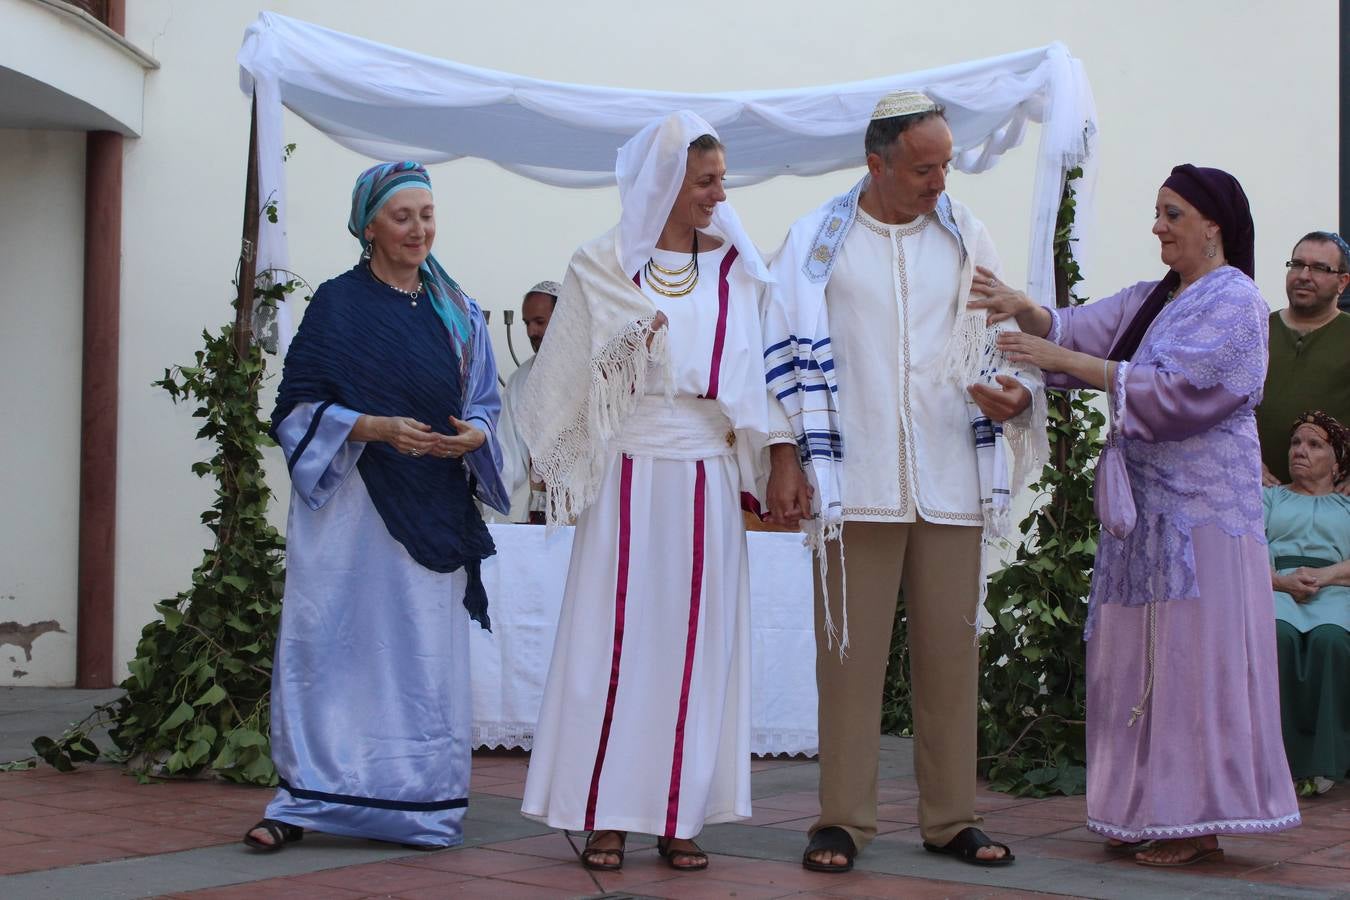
[906, 419]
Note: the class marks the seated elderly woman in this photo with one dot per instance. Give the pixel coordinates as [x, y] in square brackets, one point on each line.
[1308, 526]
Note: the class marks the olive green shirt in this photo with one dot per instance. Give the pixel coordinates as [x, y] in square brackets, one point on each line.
[1310, 371]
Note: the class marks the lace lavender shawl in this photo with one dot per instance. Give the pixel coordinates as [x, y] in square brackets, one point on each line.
[1213, 337]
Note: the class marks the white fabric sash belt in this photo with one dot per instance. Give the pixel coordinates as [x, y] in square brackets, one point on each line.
[683, 428]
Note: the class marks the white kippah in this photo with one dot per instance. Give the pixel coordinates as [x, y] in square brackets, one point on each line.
[552, 288]
[903, 103]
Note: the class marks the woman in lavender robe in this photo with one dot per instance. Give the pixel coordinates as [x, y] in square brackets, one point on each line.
[1183, 707]
[387, 414]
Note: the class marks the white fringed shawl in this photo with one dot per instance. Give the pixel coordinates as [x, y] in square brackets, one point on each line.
[589, 374]
[593, 366]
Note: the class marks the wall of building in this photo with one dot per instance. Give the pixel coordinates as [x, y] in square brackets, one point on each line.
[1241, 84]
[41, 229]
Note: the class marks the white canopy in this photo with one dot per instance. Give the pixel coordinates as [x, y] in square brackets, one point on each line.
[389, 103]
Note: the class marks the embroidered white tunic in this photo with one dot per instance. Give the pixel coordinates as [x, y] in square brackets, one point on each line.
[892, 303]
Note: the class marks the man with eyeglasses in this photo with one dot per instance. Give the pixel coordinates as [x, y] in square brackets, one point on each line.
[1309, 350]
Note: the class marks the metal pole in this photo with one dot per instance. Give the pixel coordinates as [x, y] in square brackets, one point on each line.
[509, 317]
[1343, 141]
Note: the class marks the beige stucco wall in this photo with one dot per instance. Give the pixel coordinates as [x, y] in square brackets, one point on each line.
[1210, 81]
[42, 181]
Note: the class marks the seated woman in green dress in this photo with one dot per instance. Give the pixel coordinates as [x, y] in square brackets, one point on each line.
[1308, 527]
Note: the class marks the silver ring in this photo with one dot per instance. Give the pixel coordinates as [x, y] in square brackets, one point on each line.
[414, 452]
[992, 282]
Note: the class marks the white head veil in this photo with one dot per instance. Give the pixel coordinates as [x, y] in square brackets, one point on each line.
[650, 170]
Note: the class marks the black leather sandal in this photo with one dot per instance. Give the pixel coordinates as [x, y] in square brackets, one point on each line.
[698, 859]
[281, 833]
[967, 844]
[591, 855]
[834, 840]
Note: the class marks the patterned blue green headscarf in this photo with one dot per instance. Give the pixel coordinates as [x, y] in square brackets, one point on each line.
[373, 189]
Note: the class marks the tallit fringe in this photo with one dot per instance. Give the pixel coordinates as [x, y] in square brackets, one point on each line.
[997, 522]
[573, 469]
[971, 346]
[818, 534]
[1029, 446]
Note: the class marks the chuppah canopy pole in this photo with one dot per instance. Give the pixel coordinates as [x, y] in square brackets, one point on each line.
[248, 246]
[390, 103]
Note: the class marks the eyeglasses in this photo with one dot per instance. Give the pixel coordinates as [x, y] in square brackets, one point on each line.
[1297, 265]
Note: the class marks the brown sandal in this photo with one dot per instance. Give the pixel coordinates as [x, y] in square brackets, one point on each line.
[1196, 854]
[698, 857]
[591, 855]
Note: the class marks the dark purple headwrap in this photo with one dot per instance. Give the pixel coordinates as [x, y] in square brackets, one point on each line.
[1219, 197]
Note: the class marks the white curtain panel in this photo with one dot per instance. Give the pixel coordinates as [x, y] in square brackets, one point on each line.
[389, 104]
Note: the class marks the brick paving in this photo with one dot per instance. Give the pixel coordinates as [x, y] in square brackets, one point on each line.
[97, 832]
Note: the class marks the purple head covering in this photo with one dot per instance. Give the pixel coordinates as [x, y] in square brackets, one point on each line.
[1218, 197]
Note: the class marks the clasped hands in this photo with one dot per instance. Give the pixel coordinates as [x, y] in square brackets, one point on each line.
[414, 438]
[1301, 584]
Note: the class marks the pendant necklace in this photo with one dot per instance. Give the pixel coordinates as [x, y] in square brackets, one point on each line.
[411, 295]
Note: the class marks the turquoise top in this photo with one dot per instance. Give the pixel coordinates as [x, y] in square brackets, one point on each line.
[1317, 528]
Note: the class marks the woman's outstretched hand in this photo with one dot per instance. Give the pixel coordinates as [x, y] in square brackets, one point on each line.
[1002, 301]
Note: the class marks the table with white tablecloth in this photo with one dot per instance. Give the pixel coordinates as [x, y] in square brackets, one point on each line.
[525, 582]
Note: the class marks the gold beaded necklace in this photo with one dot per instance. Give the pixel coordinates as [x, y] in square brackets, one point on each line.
[674, 282]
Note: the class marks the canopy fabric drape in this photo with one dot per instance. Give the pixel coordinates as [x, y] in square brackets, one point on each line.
[388, 103]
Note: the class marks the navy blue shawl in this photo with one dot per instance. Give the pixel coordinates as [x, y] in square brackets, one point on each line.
[362, 345]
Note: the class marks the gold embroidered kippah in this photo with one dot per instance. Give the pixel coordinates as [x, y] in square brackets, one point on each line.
[903, 103]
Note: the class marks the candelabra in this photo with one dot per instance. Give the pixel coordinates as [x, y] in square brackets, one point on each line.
[509, 316]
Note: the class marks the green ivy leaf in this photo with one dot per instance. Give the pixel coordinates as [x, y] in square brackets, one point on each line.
[181, 714]
[213, 695]
[172, 617]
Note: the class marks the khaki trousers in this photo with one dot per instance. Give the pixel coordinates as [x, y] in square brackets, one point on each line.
[938, 566]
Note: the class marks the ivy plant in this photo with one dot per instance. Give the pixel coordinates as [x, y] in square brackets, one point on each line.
[197, 696]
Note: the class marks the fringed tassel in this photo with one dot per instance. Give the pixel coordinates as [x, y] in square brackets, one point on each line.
[619, 373]
[970, 349]
[997, 522]
[818, 535]
[1028, 444]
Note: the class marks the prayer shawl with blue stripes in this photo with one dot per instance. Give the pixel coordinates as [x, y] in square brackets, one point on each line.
[799, 368]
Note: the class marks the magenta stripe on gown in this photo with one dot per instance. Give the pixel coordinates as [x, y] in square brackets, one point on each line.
[690, 644]
[620, 600]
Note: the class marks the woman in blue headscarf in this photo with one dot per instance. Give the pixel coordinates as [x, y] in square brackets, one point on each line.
[387, 415]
